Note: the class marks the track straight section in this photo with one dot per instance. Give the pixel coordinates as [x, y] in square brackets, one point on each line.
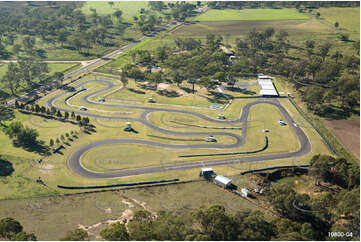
[74, 160]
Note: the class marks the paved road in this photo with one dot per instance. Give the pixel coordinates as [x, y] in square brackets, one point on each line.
[74, 160]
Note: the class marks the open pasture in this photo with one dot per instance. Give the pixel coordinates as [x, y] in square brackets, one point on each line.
[250, 14]
[59, 214]
[129, 9]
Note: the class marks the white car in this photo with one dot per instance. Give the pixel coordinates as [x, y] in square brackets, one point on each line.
[82, 108]
[211, 139]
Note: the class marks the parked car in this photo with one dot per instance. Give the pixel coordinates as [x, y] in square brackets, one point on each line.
[281, 122]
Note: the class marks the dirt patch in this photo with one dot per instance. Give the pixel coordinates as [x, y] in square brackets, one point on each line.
[163, 86]
[348, 131]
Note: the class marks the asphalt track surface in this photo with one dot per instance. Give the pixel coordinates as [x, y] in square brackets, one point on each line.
[74, 161]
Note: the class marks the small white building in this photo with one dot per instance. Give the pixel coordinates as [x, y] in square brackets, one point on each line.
[206, 172]
[244, 192]
[222, 181]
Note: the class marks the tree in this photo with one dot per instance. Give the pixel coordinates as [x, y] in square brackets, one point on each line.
[337, 25]
[76, 235]
[11, 78]
[78, 118]
[62, 36]
[171, 226]
[21, 135]
[324, 49]
[176, 77]
[59, 76]
[28, 43]
[140, 227]
[76, 42]
[206, 82]
[37, 108]
[51, 142]
[57, 141]
[9, 227]
[215, 224]
[58, 114]
[116, 232]
[53, 110]
[23, 236]
[118, 13]
[124, 79]
[27, 137]
[344, 37]
[66, 115]
[30, 69]
[16, 49]
[72, 115]
[321, 167]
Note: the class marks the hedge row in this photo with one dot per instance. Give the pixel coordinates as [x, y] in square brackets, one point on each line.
[118, 185]
[272, 168]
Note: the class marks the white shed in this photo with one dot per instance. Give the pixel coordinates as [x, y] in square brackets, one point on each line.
[206, 172]
[222, 181]
[244, 192]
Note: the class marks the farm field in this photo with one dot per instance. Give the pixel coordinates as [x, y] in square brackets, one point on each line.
[129, 9]
[348, 131]
[348, 18]
[250, 14]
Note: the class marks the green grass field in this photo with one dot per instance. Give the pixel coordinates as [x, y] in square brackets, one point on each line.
[348, 18]
[129, 9]
[251, 14]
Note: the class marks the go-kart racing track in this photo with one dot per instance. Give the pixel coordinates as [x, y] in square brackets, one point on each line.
[74, 161]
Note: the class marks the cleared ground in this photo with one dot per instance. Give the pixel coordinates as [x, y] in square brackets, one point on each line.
[348, 131]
